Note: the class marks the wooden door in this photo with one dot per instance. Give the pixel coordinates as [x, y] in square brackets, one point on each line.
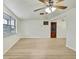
[53, 29]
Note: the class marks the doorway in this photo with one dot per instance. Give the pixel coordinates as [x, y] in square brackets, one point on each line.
[53, 29]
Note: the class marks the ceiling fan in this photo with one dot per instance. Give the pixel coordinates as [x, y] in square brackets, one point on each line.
[50, 3]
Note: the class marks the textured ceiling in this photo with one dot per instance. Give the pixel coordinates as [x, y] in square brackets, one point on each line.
[24, 8]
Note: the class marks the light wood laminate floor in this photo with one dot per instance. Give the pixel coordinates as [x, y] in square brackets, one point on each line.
[40, 49]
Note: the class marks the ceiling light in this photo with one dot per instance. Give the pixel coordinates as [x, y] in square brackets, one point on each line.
[49, 11]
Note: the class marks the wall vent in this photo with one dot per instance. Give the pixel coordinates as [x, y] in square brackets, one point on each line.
[45, 22]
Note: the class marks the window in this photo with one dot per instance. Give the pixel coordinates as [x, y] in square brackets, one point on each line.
[9, 25]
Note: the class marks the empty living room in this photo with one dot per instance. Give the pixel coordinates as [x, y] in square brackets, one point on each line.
[39, 29]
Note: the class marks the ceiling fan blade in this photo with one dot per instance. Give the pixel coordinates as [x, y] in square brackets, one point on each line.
[43, 1]
[61, 7]
[59, 1]
[40, 8]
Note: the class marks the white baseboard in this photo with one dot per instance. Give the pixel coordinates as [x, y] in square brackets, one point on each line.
[71, 48]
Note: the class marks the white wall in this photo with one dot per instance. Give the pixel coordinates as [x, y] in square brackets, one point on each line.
[61, 29]
[71, 29]
[36, 29]
[9, 41]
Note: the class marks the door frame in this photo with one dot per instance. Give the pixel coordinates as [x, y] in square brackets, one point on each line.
[50, 29]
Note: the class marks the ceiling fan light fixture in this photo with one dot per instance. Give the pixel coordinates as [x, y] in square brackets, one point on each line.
[53, 9]
[49, 11]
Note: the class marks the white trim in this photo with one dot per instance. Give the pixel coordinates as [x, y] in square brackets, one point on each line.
[71, 48]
